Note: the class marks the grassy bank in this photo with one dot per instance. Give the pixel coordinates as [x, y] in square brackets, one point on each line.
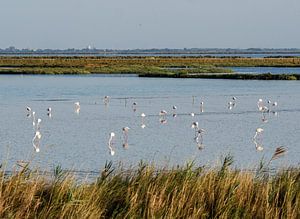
[180, 67]
[148, 192]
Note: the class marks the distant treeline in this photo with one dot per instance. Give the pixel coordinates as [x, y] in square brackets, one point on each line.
[89, 50]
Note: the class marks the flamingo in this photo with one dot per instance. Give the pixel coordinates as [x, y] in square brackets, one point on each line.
[143, 115]
[77, 107]
[106, 100]
[110, 143]
[174, 111]
[202, 107]
[49, 112]
[125, 134]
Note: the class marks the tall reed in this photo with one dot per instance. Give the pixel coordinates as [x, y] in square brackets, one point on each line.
[149, 192]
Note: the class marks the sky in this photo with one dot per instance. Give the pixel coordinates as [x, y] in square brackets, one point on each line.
[131, 24]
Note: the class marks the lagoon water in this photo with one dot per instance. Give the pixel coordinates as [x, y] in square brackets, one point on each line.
[79, 141]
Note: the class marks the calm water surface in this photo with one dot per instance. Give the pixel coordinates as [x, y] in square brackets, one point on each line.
[79, 141]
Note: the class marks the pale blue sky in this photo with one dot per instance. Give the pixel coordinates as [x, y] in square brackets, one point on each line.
[128, 24]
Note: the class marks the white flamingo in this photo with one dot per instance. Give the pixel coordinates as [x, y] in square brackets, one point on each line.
[77, 107]
[143, 115]
[110, 144]
[125, 134]
[257, 132]
[49, 112]
[202, 107]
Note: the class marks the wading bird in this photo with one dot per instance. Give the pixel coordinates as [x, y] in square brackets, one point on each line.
[257, 132]
[143, 115]
[195, 126]
[231, 104]
[163, 114]
[174, 111]
[49, 112]
[199, 137]
[110, 144]
[202, 107]
[77, 107]
[28, 109]
[134, 106]
[258, 141]
[125, 135]
[261, 106]
[106, 100]
[33, 119]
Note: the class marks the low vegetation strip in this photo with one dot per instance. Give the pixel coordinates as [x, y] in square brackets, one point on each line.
[147, 61]
[148, 192]
[267, 76]
[179, 67]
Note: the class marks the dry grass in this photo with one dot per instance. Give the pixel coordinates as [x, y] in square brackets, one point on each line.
[148, 192]
[100, 62]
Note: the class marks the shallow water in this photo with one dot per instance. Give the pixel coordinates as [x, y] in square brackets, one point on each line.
[79, 141]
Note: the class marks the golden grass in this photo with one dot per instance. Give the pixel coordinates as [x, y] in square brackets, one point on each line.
[94, 62]
[149, 192]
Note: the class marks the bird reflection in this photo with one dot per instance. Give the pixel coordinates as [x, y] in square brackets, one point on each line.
[36, 141]
[257, 139]
[264, 117]
[162, 120]
[258, 147]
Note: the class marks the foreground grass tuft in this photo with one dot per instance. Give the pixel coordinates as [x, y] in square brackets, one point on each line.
[149, 192]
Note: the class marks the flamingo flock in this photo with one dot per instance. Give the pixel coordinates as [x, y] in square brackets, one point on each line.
[199, 132]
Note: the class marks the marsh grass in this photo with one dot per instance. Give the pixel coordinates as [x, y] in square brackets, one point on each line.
[176, 67]
[150, 192]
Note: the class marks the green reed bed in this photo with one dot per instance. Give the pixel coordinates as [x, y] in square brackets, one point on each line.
[150, 192]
